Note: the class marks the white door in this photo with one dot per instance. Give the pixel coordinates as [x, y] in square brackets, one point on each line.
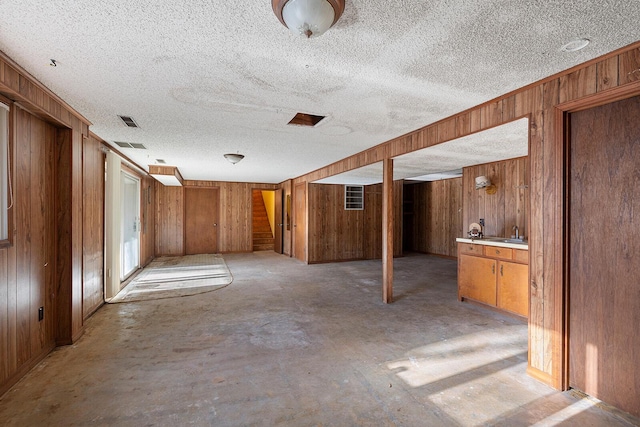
[130, 246]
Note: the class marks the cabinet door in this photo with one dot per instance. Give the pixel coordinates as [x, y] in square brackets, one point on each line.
[477, 279]
[513, 290]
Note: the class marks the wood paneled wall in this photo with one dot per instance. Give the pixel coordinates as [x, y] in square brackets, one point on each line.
[287, 232]
[28, 268]
[235, 225]
[336, 234]
[538, 102]
[437, 216]
[93, 225]
[147, 219]
[169, 220]
[44, 267]
[504, 209]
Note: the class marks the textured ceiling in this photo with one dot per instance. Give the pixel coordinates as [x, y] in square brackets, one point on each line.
[492, 145]
[203, 78]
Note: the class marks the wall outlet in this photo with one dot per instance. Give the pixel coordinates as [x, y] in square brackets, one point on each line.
[40, 314]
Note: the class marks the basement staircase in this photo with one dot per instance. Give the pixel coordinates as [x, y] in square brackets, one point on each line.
[262, 234]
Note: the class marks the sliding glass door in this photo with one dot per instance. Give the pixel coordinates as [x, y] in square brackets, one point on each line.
[130, 242]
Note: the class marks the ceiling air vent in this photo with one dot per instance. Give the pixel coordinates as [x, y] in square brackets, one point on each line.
[161, 161]
[303, 119]
[130, 145]
[129, 121]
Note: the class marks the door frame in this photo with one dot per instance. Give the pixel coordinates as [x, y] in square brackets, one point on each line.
[278, 233]
[561, 227]
[300, 253]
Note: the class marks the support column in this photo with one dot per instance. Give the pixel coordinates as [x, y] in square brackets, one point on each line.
[387, 231]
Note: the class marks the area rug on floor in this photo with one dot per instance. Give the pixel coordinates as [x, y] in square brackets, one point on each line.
[169, 277]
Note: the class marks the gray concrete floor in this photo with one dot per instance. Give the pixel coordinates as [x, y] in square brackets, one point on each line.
[296, 345]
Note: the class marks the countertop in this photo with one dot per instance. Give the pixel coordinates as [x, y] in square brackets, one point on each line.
[494, 241]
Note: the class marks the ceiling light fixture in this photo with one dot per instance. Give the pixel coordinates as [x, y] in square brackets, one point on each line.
[233, 158]
[309, 18]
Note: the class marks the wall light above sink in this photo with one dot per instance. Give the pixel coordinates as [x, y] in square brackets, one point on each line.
[484, 182]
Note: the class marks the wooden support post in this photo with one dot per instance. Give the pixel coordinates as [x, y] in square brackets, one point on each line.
[387, 231]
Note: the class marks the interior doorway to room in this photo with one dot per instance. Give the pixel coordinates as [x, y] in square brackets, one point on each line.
[130, 227]
[267, 220]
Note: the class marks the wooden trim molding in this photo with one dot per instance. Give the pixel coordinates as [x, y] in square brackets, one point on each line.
[11, 175]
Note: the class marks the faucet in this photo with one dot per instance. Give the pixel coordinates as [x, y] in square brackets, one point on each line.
[515, 228]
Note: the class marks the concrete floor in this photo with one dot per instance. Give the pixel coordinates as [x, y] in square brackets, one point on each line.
[296, 345]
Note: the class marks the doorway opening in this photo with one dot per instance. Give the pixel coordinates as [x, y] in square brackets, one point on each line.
[130, 225]
[264, 220]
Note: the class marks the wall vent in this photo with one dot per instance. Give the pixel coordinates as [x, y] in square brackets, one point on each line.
[161, 161]
[130, 145]
[353, 197]
[128, 121]
[303, 119]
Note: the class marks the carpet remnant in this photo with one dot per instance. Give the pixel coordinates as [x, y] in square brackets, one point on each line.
[169, 277]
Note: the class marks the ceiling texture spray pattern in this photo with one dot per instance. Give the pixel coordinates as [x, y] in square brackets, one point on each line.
[204, 78]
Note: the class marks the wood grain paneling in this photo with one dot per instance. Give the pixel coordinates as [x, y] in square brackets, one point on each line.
[335, 234]
[300, 221]
[169, 220]
[147, 219]
[93, 226]
[234, 227]
[604, 308]
[45, 266]
[287, 226]
[437, 216]
[27, 267]
[537, 101]
[503, 210]
[388, 222]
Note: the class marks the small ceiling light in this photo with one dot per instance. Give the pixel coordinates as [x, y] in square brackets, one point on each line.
[309, 18]
[575, 45]
[233, 158]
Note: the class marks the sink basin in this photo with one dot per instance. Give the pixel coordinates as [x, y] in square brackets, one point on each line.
[505, 240]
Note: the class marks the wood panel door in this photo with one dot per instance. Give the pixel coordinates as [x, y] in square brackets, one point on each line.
[201, 217]
[300, 222]
[604, 243]
[278, 222]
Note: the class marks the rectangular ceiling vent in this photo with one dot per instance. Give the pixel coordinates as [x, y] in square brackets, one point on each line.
[353, 197]
[303, 119]
[130, 145]
[128, 121]
[161, 161]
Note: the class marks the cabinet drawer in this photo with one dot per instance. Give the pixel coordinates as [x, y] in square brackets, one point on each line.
[467, 248]
[500, 253]
[521, 256]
